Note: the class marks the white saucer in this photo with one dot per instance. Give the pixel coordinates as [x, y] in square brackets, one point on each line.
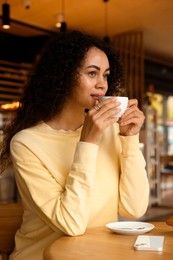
[130, 227]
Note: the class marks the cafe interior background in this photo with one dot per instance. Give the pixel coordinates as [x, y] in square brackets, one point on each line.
[142, 33]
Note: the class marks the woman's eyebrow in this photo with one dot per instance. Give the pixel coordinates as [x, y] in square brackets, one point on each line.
[96, 67]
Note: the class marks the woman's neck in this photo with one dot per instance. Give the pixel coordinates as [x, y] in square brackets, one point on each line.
[67, 120]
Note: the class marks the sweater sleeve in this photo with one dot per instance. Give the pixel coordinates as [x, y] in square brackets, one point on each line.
[134, 186]
[64, 209]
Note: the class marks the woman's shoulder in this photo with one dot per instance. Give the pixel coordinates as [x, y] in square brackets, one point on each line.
[28, 132]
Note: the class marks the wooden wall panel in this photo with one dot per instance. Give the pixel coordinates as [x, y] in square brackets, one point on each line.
[130, 48]
[13, 77]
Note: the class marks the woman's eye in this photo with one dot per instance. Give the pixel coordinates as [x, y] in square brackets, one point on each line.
[105, 76]
[92, 73]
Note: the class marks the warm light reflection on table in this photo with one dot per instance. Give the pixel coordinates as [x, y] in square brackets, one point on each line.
[101, 243]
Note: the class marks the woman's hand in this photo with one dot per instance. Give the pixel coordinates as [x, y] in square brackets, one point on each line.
[98, 119]
[132, 120]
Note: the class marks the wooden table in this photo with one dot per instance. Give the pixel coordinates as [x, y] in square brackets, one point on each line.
[101, 244]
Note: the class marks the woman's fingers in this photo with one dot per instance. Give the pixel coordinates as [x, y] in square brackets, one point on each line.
[98, 119]
[106, 109]
[132, 120]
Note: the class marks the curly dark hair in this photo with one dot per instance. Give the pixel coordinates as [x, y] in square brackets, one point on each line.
[53, 78]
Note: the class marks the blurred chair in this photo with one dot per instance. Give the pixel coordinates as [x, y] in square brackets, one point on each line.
[8, 188]
[166, 168]
[10, 220]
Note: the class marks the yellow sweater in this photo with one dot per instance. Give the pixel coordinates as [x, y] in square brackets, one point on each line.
[67, 186]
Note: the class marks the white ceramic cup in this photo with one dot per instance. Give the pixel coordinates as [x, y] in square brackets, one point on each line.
[122, 106]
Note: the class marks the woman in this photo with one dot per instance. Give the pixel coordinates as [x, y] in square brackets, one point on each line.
[76, 166]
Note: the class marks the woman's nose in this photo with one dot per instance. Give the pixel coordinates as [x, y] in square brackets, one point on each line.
[101, 83]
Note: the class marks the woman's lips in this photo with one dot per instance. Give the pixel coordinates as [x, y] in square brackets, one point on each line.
[96, 97]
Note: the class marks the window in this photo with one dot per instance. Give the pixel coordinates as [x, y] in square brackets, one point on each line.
[163, 104]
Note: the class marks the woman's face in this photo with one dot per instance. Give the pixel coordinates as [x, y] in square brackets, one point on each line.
[92, 80]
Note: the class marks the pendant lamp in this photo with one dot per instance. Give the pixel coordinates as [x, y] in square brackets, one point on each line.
[60, 22]
[106, 37]
[5, 16]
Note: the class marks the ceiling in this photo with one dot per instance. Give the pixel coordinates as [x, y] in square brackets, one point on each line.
[153, 17]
